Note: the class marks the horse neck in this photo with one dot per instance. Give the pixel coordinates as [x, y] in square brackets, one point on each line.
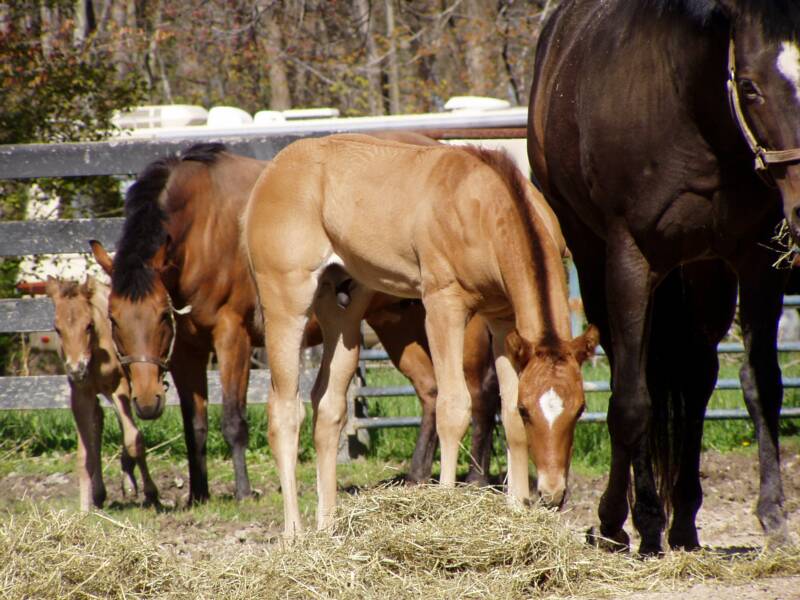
[207, 219]
[533, 276]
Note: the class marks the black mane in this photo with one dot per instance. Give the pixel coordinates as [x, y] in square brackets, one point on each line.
[780, 18]
[144, 231]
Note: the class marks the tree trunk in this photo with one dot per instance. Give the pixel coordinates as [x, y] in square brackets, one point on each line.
[279, 96]
[84, 21]
[362, 13]
[394, 72]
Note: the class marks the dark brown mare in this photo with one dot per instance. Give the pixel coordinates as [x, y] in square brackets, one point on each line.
[648, 162]
[180, 248]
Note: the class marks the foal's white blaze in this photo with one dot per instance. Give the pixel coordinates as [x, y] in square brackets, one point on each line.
[789, 65]
[552, 406]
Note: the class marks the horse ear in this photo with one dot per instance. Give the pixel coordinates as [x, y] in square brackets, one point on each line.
[518, 349]
[51, 286]
[584, 345]
[101, 256]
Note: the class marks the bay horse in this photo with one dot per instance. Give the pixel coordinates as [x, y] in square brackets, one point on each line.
[665, 135]
[180, 248]
[81, 322]
[457, 227]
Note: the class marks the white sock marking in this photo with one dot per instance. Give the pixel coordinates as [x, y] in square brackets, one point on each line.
[552, 406]
[789, 65]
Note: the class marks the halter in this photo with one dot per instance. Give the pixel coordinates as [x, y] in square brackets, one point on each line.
[763, 157]
[161, 363]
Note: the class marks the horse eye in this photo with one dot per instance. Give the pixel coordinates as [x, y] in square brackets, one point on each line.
[749, 90]
[523, 412]
[90, 326]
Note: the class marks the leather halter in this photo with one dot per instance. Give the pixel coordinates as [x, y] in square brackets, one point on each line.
[763, 157]
[161, 363]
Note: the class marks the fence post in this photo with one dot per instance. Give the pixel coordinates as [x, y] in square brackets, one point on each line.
[354, 442]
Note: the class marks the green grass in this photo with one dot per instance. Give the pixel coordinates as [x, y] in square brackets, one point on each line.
[50, 432]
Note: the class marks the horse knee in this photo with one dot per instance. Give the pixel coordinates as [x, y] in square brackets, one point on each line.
[628, 423]
[329, 416]
[235, 429]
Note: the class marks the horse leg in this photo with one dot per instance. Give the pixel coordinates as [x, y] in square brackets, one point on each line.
[485, 394]
[341, 338]
[89, 424]
[133, 443]
[629, 281]
[232, 345]
[516, 438]
[188, 369]
[401, 330]
[445, 320]
[760, 304]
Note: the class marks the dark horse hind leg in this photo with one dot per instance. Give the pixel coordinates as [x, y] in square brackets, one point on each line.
[188, 371]
[761, 296]
[629, 281]
[693, 312]
[232, 344]
[589, 253]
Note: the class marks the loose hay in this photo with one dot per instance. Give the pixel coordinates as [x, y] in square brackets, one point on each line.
[392, 542]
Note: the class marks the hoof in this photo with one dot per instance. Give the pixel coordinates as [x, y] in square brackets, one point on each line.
[650, 550]
[618, 542]
[779, 538]
[684, 540]
[478, 479]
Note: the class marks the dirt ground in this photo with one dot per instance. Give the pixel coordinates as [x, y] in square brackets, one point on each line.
[726, 521]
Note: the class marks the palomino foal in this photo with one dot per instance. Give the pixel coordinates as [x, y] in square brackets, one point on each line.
[460, 228]
[81, 321]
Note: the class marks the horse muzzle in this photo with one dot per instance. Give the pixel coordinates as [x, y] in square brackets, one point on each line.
[552, 490]
[77, 372]
[149, 408]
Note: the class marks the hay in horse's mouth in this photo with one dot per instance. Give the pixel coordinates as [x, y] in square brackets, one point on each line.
[386, 543]
[784, 245]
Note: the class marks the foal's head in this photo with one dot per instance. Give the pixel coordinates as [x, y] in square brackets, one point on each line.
[74, 323]
[550, 401]
[143, 330]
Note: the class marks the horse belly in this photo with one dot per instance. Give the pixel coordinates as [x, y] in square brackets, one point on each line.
[376, 247]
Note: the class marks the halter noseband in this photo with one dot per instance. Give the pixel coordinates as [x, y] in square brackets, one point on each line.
[763, 157]
[161, 363]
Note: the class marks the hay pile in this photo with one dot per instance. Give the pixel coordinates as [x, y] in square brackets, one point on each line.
[390, 543]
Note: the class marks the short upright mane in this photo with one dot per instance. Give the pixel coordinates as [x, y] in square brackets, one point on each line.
[145, 231]
[506, 168]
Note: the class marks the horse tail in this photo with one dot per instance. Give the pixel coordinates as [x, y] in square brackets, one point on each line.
[664, 383]
[693, 310]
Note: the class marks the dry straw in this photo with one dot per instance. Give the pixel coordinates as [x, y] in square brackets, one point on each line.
[389, 543]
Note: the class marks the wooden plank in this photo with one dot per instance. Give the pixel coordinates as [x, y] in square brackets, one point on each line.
[129, 156]
[19, 238]
[52, 391]
[120, 157]
[25, 315]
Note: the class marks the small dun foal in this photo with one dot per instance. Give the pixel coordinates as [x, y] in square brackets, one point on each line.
[459, 228]
[81, 321]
